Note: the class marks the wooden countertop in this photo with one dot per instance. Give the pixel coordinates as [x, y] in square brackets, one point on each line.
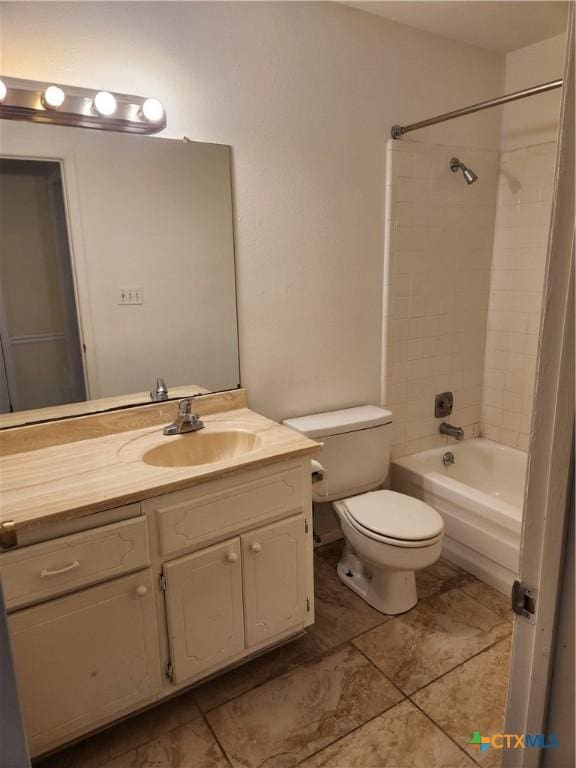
[74, 479]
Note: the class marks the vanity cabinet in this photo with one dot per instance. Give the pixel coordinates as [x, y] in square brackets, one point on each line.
[114, 617]
[42, 571]
[85, 658]
[235, 596]
[275, 589]
[204, 609]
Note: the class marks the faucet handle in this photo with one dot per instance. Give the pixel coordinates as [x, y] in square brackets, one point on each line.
[160, 392]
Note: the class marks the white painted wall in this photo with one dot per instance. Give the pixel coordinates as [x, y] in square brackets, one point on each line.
[306, 94]
[533, 120]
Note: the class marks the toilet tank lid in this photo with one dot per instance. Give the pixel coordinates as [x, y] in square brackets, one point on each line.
[338, 422]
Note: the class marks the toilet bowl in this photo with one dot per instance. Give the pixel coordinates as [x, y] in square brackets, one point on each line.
[388, 535]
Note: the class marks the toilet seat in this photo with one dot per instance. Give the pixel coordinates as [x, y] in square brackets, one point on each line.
[393, 518]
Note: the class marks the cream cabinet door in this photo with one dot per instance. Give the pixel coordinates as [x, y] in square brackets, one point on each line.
[275, 598]
[83, 658]
[204, 609]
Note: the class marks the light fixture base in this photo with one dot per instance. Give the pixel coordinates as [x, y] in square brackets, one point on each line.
[24, 101]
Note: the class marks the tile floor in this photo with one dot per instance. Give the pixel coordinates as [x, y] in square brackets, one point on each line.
[359, 690]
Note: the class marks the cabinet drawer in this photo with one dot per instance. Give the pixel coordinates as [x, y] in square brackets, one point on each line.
[42, 571]
[223, 507]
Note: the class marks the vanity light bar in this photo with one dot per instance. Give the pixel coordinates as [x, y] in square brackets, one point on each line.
[60, 104]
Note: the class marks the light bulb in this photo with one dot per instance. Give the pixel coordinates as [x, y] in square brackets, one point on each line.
[3, 91]
[53, 97]
[105, 103]
[152, 110]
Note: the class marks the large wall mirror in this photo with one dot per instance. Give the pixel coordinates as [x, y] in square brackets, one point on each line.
[116, 267]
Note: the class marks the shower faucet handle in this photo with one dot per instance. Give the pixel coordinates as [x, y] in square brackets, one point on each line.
[443, 404]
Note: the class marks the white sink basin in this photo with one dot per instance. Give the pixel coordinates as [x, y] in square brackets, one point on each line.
[202, 447]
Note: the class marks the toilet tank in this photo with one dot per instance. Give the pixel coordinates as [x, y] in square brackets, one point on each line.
[356, 448]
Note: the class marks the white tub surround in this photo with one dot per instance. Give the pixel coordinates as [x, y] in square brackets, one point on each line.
[480, 498]
[520, 238]
[439, 233]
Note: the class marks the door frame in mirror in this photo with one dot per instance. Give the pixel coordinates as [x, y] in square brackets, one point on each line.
[71, 202]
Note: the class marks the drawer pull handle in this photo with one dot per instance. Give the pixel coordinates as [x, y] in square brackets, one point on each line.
[141, 590]
[232, 557]
[256, 547]
[67, 568]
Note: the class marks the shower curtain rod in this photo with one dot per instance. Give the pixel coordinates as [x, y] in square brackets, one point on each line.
[400, 130]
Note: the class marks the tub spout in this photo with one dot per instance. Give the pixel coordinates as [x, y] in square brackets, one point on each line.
[448, 429]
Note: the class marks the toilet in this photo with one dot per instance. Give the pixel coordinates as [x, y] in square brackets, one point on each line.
[388, 535]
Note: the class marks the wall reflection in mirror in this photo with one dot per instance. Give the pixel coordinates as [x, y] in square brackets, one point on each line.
[116, 267]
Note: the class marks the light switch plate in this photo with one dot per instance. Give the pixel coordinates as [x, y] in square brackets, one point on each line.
[131, 296]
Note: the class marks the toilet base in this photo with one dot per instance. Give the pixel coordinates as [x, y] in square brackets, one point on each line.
[388, 591]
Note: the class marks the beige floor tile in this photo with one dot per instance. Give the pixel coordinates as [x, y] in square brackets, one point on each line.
[400, 738]
[271, 664]
[188, 746]
[289, 718]
[330, 553]
[340, 614]
[89, 753]
[472, 698]
[437, 635]
[489, 597]
[146, 726]
[441, 576]
[126, 735]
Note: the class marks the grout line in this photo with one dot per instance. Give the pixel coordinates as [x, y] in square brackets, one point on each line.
[400, 691]
[461, 664]
[421, 601]
[429, 715]
[440, 728]
[104, 733]
[324, 653]
[273, 676]
[353, 730]
[342, 645]
[217, 740]
[501, 619]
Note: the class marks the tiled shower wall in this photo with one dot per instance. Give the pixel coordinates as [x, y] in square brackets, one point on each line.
[525, 184]
[437, 278]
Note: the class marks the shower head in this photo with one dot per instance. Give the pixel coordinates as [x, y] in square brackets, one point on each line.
[468, 173]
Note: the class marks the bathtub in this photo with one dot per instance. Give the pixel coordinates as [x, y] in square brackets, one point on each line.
[480, 497]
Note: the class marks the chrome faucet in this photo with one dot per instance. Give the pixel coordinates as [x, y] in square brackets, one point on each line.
[186, 421]
[448, 429]
[161, 391]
